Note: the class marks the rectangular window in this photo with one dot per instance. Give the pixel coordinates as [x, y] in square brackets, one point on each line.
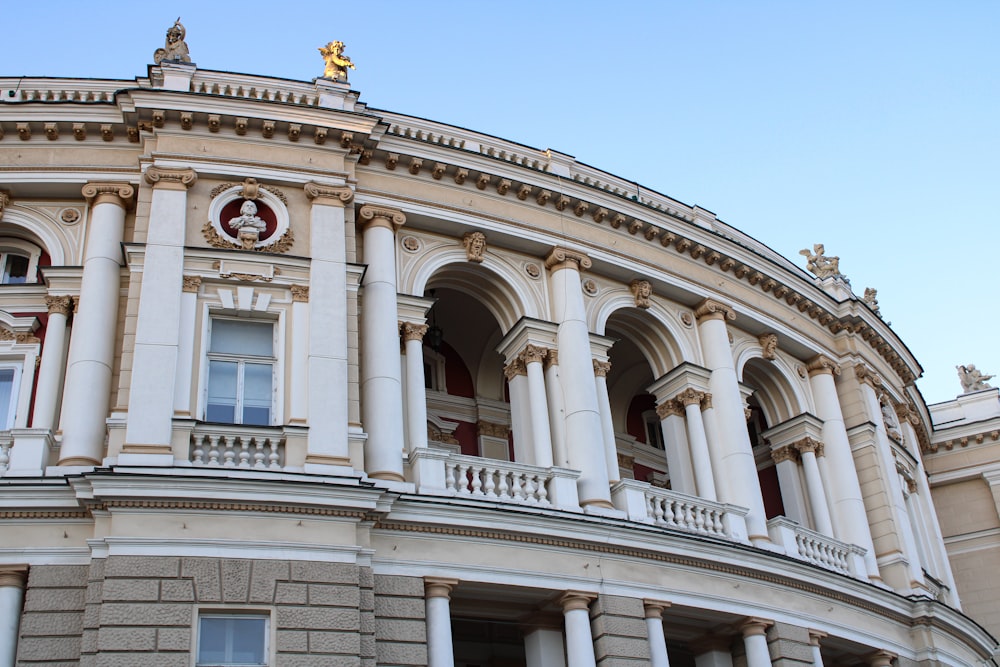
[226, 640]
[15, 269]
[240, 372]
[8, 395]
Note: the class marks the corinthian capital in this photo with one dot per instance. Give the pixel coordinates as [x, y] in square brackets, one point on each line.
[119, 194]
[170, 179]
[532, 354]
[563, 258]
[669, 408]
[807, 444]
[822, 364]
[59, 305]
[513, 369]
[412, 331]
[382, 216]
[710, 309]
[601, 368]
[328, 195]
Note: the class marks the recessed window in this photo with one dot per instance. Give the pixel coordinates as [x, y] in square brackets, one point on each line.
[226, 640]
[240, 372]
[654, 430]
[15, 268]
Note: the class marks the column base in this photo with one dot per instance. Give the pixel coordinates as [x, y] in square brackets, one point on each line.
[77, 461]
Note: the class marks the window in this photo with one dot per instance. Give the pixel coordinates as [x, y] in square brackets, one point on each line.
[9, 376]
[240, 372]
[232, 639]
[15, 268]
[654, 430]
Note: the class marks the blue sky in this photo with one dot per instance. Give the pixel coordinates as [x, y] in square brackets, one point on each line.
[871, 127]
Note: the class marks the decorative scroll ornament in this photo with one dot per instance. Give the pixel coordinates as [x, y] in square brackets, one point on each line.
[337, 63]
[823, 364]
[710, 309]
[174, 49]
[4, 202]
[492, 430]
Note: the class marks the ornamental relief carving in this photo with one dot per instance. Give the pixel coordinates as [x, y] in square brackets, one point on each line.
[248, 216]
[20, 337]
[492, 430]
[475, 246]
[59, 305]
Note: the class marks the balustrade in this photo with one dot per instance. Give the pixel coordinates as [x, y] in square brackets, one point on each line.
[490, 479]
[243, 449]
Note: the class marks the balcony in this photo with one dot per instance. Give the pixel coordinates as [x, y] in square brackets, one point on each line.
[808, 545]
[240, 447]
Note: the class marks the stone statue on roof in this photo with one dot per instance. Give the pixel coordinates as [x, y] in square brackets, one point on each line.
[972, 378]
[821, 265]
[174, 48]
[337, 63]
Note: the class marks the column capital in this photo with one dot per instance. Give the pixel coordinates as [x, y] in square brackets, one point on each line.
[692, 396]
[170, 179]
[381, 216]
[328, 195]
[514, 368]
[654, 608]
[573, 600]
[190, 284]
[669, 408]
[59, 305]
[532, 354]
[552, 358]
[117, 193]
[439, 587]
[822, 364]
[602, 368]
[4, 201]
[816, 636]
[807, 444]
[754, 625]
[880, 658]
[868, 376]
[13, 576]
[564, 258]
[411, 331]
[710, 309]
[300, 293]
[786, 453]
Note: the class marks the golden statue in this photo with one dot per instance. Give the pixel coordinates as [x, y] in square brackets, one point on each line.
[175, 48]
[337, 63]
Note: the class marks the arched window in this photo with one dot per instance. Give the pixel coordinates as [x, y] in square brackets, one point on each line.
[18, 261]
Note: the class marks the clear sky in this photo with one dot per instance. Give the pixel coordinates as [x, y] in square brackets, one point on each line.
[869, 126]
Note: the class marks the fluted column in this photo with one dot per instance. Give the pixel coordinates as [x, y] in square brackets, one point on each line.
[437, 593]
[416, 392]
[808, 450]
[12, 580]
[541, 436]
[91, 356]
[601, 370]
[734, 451]
[50, 373]
[328, 448]
[157, 334]
[850, 519]
[755, 642]
[381, 387]
[815, 637]
[584, 438]
[654, 632]
[579, 640]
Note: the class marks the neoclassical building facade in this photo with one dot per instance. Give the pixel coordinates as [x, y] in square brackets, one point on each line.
[289, 380]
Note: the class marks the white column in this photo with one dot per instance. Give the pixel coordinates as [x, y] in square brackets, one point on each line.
[11, 601]
[328, 450]
[298, 388]
[440, 651]
[694, 402]
[601, 370]
[557, 411]
[734, 451]
[520, 411]
[786, 464]
[381, 386]
[584, 438]
[541, 434]
[814, 485]
[416, 392]
[755, 642]
[579, 640]
[91, 356]
[881, 658]
[654, 631]
[850, 519]
[157, 335]
[50, 373]
[815, 637]
[184, 376]
[543, 647]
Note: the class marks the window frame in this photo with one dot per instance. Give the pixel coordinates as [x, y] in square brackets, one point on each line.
[15, 390]
[234, 613]
[21, 248]
[242, 360]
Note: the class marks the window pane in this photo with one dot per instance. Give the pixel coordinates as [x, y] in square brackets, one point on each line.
[232, 640]
[15, 270]
[257, 394]
[221, 392]
[6, 388]
[248, 338]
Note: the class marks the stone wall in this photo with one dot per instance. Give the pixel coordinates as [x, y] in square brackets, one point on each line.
[400, 621]
[52, 620]
[618, 627]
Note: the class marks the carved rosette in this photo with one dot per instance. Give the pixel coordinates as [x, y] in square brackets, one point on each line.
[384, 216]
[710, 309]
[475, 246]
[59, 305]
[328, 195]
[300, 293]
[513, 369]
[641, 291]
[411, 331]
[822, 364]
[170, 179]
[601, 368]
[563, 258]
[119, 194]
[769, 346]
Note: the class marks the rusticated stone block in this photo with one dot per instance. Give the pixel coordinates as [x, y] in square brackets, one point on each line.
[144, 659]
[263, 577]
[401, 630]
[177, 590]
[206, 576]
[393, 607]
[366, 577]
[235, 580]
[401, 586]
[618, 625]
[617, 605]
[293, 641]
[327, 573]
[334, 596]
[318, 618]
[173, 639]
[299, 660]
[60, 623]
[133, 614]
[401, 654]
[57, 576]
[36, 649]
[287, 593]
[131, 589]
[126, 639]
[164, 567]
[366, 599]
[344, 643]
[54, 599]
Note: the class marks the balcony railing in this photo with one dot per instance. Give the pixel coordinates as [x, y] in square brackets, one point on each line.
[217, 446]
[679, 511]
[816, 548]
[504, 481]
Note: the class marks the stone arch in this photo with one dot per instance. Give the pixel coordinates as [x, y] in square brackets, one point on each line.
[777, 389]
[46, 233]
